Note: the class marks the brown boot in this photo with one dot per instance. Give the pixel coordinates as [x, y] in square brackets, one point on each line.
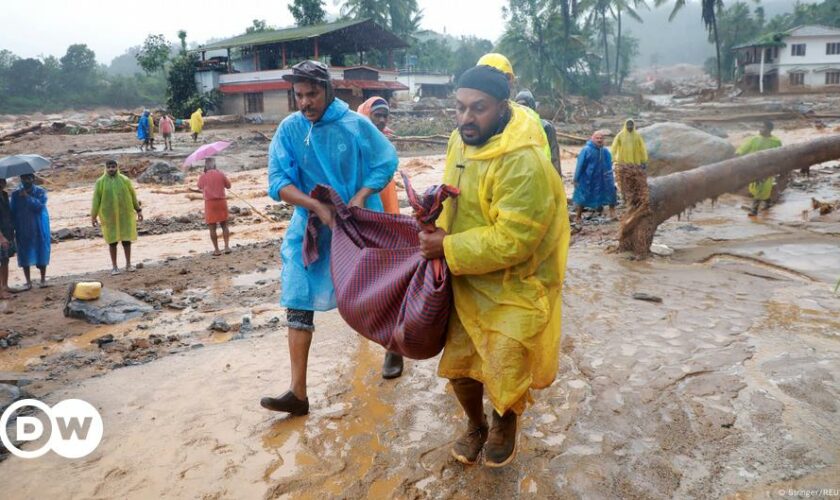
[501, 444]
[470, 394]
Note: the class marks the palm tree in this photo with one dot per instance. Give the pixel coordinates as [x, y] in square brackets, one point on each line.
[618, 6]
[709, 16]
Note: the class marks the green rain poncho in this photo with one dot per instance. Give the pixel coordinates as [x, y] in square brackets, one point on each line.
[115, 203]
[760, 190]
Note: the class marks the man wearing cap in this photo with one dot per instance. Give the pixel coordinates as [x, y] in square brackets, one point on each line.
[505, 240]
[501, 63]
[323, 143]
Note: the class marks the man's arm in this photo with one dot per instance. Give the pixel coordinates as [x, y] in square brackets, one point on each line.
[523, 206]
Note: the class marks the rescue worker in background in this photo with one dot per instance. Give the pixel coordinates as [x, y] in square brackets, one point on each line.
[761, 191]
[526, 98]
[630, 158]
[377, 110]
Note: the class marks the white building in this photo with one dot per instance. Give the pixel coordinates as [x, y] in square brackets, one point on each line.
[424, 84]
[803, 59]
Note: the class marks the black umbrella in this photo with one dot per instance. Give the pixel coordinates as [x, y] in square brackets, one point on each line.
[13, 166]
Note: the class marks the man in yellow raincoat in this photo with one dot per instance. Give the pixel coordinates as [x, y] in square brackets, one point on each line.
[761, 190]
[196, 124]
[630, 158]
[115, 207]
[505, 239]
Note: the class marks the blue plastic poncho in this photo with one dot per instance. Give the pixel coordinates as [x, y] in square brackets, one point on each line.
[594, 181]
[143, 127]
[32, 226]
[343, 150]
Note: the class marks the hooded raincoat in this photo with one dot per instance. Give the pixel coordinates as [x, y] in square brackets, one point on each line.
[32, 226]
[760, 190]
[508, 236]
[388, 194]
[594, 181]
[196, 122]
[343, 150]
[143, 131]
[115, 203]
[628, 148]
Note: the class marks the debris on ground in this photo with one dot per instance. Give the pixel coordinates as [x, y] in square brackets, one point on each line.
[825, 207]
[647, 297]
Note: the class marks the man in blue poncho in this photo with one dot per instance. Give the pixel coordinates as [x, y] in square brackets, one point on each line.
[32, 228]
[143, 131]
[594, 180]
[324, 143]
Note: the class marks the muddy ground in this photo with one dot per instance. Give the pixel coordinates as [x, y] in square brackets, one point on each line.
[727, 388]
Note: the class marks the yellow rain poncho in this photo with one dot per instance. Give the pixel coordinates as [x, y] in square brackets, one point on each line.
[506, 248]
[115, 203]
[196, 122]
[760, 190]
[628, 148]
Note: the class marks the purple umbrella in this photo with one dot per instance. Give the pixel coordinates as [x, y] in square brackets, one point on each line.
[205, 151]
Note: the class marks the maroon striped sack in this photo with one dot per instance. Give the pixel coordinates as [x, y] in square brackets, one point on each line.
[384, 288]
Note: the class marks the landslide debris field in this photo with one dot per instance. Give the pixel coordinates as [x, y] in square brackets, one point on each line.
[711, 369]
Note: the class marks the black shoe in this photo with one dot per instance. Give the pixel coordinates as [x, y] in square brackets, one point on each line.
[288, 403]
[393, 366]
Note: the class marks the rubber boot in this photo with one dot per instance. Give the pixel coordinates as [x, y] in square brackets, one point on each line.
[501, 443]
[392, 367]
[470, 394]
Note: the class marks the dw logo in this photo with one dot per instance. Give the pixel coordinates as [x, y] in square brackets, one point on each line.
[75, 428]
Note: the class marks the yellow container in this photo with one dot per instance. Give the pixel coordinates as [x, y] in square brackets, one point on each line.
[90, 290]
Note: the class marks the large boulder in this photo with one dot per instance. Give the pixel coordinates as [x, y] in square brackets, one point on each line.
[161, 172]
[110, 308]
[675, 147]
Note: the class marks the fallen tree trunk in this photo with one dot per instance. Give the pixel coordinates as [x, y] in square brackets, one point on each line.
[16, 133]
[672, 194]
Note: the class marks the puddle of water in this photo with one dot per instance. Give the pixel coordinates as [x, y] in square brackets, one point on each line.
[819, 260]
[17, 359]
[257, 278]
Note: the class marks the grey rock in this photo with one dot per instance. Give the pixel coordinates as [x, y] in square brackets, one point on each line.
[219, 325]
[110, 308]
[161, 172]
[675, 147]
[8, 395]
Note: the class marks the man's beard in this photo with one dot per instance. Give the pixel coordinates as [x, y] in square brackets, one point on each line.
[478, 140]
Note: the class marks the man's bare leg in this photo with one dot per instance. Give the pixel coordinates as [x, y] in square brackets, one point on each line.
[4, 279]
[127, 251]
[294, 401]
[299, 342]
[28, 285]
[112, 250]
[225, 236]
[43, 271]
[214, 238]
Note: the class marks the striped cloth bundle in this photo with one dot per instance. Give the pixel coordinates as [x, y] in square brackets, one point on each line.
[385, 289]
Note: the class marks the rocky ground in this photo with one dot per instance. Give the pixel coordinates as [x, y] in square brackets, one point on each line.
[722, 383]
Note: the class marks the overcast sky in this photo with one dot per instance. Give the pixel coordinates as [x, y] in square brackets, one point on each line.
[31, 28]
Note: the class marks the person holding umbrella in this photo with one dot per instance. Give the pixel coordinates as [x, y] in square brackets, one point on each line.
[7, 240]
[212, 185]
[32, 228]
[25, 208]
[116, 208]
